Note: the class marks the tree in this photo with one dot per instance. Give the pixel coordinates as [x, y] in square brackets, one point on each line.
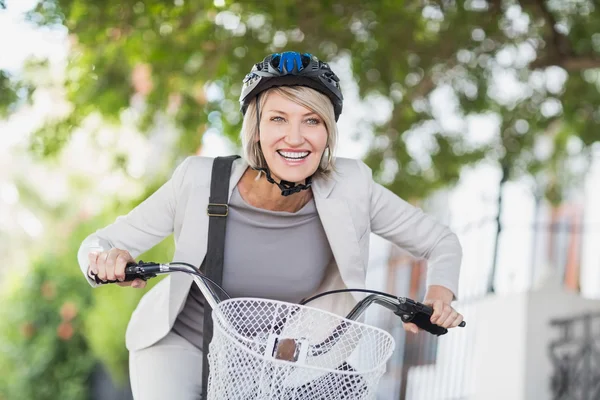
[186, 61]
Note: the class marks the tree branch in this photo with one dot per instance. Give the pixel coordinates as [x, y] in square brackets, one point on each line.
[423, 88]
[558, 43]
[570, 64]
[559, 51]
[575, 64]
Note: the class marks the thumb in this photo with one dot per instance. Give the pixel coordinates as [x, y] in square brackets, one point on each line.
[410, 327]
[137, 283]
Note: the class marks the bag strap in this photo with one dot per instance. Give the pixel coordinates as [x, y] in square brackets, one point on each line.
[217, 211]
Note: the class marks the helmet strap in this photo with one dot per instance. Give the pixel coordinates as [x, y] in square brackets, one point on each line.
[287, 188]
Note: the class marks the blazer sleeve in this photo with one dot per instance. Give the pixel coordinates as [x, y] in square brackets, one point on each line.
[142, 228]
[411, 229]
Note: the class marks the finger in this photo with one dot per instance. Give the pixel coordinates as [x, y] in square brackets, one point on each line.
[101, 265]
[139, 284]
[136, 283]
[110, 264]
[457, 321]
[438, 308]
[410, 327]
[449, 320]
[446, 311]
[120, 263]
[92, 259]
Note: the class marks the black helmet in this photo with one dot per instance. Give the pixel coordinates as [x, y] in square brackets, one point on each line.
[289, 69]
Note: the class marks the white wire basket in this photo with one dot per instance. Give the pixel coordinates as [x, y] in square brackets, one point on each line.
[264, 349]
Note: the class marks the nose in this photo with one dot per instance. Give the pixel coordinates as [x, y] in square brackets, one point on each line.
[294, 135]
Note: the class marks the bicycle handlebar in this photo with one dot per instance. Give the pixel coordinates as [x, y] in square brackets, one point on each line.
[407, 309]
[147, 270]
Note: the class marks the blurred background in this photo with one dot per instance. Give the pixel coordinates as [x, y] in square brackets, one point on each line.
[485, 113]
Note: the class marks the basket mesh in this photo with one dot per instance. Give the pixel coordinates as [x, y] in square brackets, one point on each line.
[324, 356]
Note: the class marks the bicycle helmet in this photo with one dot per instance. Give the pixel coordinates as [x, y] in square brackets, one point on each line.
[290, 69]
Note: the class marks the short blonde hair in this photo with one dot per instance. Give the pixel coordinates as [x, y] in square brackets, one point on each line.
[306, 97]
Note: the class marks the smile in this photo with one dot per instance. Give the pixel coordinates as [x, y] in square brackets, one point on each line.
[293, 155]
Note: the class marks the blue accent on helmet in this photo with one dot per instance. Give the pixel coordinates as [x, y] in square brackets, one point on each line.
[290, 60]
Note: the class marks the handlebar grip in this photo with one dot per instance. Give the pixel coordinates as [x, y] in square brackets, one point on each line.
[429, 310]
[423, 321]
[420, 315]
[130, 275]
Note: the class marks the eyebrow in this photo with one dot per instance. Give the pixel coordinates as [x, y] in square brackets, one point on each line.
[284, 113]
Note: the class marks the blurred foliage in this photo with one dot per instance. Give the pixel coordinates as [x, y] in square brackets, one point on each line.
[44, 354]
[7, 93]
[54, 328]
[13, 93]
[170, 54]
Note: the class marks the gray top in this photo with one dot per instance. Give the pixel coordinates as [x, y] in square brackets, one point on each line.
[276, 255]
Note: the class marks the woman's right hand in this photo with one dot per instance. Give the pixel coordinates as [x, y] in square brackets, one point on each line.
[110, 265]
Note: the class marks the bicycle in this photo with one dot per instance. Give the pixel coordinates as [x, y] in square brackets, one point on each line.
[267, 349]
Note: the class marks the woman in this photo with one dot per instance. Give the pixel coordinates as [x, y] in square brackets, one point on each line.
[299, 223]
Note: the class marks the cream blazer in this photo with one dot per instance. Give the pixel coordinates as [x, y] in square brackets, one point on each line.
[350, 205]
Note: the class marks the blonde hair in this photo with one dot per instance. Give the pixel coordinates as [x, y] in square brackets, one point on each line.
[306, 97]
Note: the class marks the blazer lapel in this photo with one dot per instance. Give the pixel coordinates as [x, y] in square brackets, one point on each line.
[237, 170]
[337, 222]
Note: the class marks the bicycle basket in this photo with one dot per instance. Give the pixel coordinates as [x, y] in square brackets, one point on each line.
[264, 349]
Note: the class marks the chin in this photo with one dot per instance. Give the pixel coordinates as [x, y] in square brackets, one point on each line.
[297, 175]
[296, 178]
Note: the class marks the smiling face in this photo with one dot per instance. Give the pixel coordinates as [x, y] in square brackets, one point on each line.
[292, 138]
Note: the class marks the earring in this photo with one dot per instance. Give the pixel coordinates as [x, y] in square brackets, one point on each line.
[328, 158]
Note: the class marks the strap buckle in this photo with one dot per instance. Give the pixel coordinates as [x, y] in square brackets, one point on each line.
[217, 210]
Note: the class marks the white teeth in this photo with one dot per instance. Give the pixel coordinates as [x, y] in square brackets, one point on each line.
[295, 155]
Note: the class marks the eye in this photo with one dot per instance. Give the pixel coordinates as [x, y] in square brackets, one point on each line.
[277, 119]
[313, 121]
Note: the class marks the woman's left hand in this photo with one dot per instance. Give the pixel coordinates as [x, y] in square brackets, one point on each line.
[439, 298]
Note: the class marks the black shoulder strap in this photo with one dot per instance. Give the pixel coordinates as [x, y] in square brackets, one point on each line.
[217, 210]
